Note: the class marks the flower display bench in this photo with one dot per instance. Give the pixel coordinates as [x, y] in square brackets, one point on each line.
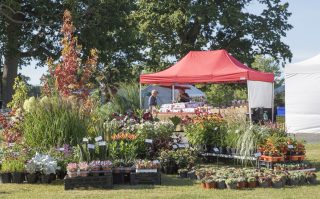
[101, 182]
[145, 178]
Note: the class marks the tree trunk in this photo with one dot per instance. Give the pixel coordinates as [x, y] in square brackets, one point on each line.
[12, 60]
[10, 72]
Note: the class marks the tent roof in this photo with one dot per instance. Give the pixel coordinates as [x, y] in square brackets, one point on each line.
[206, 67]
[311, 65]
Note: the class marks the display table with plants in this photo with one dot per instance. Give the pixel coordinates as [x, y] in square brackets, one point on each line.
[147, 172]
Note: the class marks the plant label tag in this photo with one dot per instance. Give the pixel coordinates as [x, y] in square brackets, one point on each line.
[156, 161]
[85, 140]
[181, 145]
[186, 145]
[215, 149]
[149, 141]
[16, 153]
[257, 154]
[11, 144]
[175, 141]
[102, 143]
[90, 146]
[290, 146]
[61, 149]
[97, 139]
[174, 146]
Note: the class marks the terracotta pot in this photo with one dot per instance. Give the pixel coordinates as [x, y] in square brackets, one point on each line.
[203, 185]
[252, 184]
[211, 185]
[241, 185]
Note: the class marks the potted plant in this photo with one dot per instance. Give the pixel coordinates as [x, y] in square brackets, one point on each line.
[203, 183]
[83, 169]
[183, 173]
[95, 167]
[221, 183]
[294, 179]
[31, 169]
[17, 171]
[231, 183]
[48, 168]
[252, 182]
[106, 166]
[144, 166]
[200, 173]
[277, 182]
[210, 183]
[241, 182]
[72, 169]
[264, 182]
[302, 178]
[6, 172]
[311, 177]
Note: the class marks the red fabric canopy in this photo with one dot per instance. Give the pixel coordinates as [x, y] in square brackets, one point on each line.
[216, 66]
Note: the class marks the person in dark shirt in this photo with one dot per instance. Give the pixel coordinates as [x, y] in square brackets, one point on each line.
[183, 96]
[153, 99]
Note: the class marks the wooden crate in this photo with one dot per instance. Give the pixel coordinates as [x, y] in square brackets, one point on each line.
[101, 182]
[146, 178]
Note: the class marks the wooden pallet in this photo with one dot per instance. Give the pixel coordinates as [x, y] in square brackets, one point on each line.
[145, 178]
[101, 182]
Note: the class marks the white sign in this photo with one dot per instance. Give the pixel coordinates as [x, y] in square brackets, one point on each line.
[174, 146]
[98, 138]
[11, 144]
[215, 149]
[257, 154]
[85, 140]
[90, 146]
[102, 143]
[181, 145]
[290, 146]
[149, 141]
[61, 149]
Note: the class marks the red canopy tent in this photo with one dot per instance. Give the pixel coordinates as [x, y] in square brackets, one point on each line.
[206, 67]
[216, 66]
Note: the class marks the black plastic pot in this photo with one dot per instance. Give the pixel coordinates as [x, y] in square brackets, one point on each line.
[61, 174]
[221, 185]
[45, 179]
[6, 177]
[192, 175]
[32, 178]
[17, 177]
[183, 174]
[312, 180]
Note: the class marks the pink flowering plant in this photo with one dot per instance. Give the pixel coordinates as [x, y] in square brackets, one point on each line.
[106, 165]
[83, 166]
[72, 167]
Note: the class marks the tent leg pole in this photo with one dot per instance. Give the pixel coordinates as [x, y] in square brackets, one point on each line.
[249, 107]
[173, 93]
[140, 95]
[272, 103]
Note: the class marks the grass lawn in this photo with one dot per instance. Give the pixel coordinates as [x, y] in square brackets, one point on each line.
[171, 187]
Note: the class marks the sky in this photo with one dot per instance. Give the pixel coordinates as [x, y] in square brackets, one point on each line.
[303, 39]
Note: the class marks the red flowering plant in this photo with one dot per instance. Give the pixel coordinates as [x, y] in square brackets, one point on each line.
[70, 77]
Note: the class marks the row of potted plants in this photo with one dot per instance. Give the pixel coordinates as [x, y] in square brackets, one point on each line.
[291, 166]
[232, 178]
[83, 169]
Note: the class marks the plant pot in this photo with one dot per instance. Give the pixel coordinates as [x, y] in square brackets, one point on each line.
[232, 186]
[17, 177]
[278, 184]
[83, 173]
[192, 175]
[252, 184]
[53, 177]
[6, 177]
[203, 185]
[32, 178]
[302, 181]
[183, 174]
[211, 185]
[241, 185]
[221, 185]
[264, 184]
[45, 179]
[293, 182]
[312, 180]
[72, 174]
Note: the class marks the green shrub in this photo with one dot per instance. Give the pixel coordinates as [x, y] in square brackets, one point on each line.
[53, 122]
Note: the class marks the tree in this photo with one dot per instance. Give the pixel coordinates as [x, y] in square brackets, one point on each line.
[268, 64]
[27, 29]
[173, 28]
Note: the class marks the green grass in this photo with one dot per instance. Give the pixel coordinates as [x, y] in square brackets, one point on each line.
[172, 188]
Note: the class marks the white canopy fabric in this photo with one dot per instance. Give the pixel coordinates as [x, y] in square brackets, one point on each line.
[302, 91]
[165, 94]
[260, 94]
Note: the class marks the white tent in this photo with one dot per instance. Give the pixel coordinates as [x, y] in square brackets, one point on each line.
[302, 91]
[165, 93]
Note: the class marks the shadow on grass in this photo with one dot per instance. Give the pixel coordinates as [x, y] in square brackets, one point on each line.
[4, 192]
[172, 180]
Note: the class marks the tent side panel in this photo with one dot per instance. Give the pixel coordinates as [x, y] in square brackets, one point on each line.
[260, 94]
